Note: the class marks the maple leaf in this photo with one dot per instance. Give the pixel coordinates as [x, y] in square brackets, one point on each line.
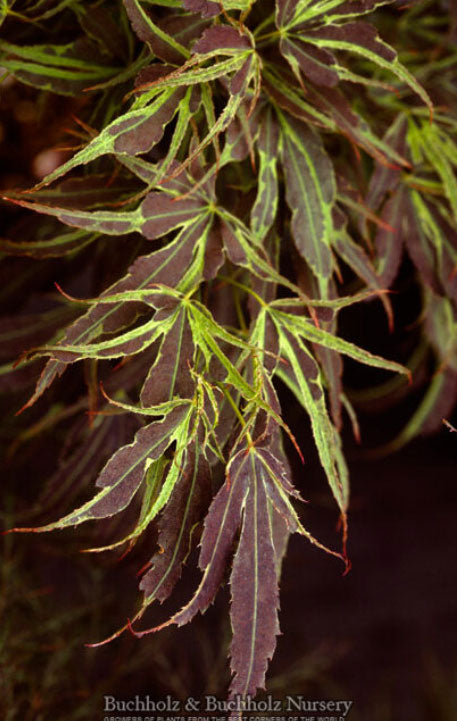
[218, 213]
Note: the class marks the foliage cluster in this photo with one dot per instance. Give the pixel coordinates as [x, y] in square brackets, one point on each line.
[281, 158]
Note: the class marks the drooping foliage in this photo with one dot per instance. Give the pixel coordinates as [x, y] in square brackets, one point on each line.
[245, 171]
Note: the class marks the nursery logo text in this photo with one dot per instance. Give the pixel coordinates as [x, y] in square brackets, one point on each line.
[170, 708]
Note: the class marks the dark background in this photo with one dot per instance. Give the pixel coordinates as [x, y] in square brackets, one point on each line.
[384, 636]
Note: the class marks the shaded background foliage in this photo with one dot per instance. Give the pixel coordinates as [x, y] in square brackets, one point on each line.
[36, 121]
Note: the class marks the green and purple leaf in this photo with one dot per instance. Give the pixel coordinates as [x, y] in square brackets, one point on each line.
[310, 193]
[122, 476]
